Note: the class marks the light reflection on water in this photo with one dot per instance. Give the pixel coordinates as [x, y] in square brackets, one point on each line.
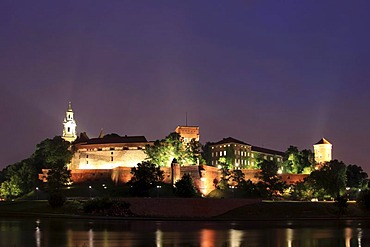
[114, 233]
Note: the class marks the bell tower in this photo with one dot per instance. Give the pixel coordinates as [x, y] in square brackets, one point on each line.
[69, 125]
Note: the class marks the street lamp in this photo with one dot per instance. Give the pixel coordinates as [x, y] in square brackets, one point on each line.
[37, 193]
[90, 191]
[158, 188]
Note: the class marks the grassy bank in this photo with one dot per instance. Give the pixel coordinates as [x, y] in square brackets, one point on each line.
[227, 209]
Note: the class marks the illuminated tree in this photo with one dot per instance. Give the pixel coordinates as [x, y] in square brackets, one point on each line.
[223, 184]
[296, 161]
[11, 188]
[162, 152]
[20, 178]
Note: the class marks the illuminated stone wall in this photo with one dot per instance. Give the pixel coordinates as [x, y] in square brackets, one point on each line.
[106, 158]
[203, 176]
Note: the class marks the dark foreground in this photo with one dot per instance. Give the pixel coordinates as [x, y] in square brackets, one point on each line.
[197, 209]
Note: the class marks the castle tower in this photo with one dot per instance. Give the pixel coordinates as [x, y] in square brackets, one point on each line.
[188, 133]
[323, 151]
[69, 125]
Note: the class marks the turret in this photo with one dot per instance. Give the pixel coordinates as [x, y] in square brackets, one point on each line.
[69, 125]
[323, 151]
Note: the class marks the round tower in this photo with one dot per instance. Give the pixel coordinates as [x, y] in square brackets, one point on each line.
[323, 151]
[69, 125]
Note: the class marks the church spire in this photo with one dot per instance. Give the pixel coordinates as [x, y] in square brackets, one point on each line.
[69, 125]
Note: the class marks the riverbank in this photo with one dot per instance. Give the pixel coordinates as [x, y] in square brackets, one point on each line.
[196, 209]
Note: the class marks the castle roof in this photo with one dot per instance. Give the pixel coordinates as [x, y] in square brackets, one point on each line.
[253, 148]
[323, 141]
[114, 138]
[110, 139]
[267, 151]
[230, 140]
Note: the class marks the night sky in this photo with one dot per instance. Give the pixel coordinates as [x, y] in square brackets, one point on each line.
[269, 73]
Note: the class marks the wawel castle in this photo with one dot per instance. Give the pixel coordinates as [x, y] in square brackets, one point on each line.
[112, 156]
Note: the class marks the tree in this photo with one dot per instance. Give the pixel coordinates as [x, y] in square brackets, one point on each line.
[207, 153]
[225, 176]
[356, 177]
[296, 161]
[144, 177]
[162, 152]
[20, 178]
[270, 184]
[185, 187]
[331, 177]
[52, 153]
[11, 188]
[237, 176]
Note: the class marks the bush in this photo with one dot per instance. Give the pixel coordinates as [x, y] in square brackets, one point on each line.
[107, 207]
[56, 200]
[363, 199]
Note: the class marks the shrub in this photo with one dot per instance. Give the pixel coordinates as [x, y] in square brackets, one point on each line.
[107, 207]
[363, 199]
[56, 200]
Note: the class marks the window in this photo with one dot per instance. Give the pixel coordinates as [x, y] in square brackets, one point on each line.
[220, 153]
[87, 156]
[213, 154]
[224, 152]
[111, 158]
[111, 153]
[69, 129]
[252, 155]
[271, 158]
[87, 162]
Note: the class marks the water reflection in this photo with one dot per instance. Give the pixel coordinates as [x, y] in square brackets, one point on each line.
[83, 233]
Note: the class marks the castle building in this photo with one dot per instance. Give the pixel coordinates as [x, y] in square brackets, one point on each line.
[108, 151]
[69, 125]
[242, 155]
[323, 151]
[188, 133]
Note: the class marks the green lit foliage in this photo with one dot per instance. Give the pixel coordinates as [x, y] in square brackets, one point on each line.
[162, 152]
[223, 184]
[19, 179]
[270, 184]
[144, 177]
[10, 188]
[296, 161]
[185, 187]
[331, 178]
[192, 152]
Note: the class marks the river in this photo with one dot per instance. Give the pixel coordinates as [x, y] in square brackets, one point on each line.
[27, 232]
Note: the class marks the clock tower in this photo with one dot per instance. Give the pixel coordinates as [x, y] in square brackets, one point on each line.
[69, 125]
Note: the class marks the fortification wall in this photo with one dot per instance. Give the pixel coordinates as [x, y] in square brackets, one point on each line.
[205, 177]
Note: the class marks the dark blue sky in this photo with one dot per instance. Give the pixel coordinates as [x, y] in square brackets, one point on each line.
[270, 73]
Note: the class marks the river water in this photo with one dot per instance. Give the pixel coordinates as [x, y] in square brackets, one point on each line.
[29, 232]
